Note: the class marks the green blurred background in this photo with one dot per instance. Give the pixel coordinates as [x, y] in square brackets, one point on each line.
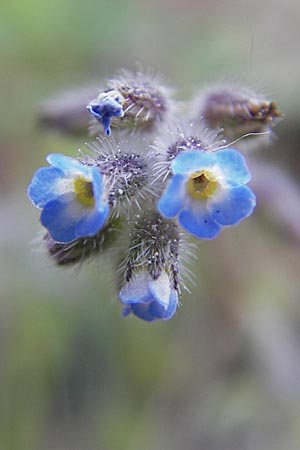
[224, 373]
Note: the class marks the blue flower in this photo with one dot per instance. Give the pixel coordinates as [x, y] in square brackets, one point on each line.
[105, 106]
[70, 195]
[207, 191]
[149, 299]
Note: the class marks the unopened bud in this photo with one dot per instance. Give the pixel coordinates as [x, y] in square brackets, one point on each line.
[237, 110]
[83, 248]
[149, 282]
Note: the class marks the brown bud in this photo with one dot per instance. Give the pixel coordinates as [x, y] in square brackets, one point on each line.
[237, 110]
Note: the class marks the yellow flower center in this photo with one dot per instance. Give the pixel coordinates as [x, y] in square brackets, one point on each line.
[84, 191]
[201, 185]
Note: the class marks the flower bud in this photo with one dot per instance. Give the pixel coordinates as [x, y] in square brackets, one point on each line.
[83, 248]
[67, 112]
[237, 110]
[107, 105]
[150, 272]
[144, 100]
[126, 162]
[180, 137]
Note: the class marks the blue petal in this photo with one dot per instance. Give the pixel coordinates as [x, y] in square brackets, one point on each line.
[94, 110]
[172, 200]
[159, 312]
[103, 111]
[68, 164]
[61, 217]
[160, 289]
[233, 166]
[106, 125]
[232, 205]
[109, 107]
[141, 300]
[154, 311]
[191, 161]
[142, 311]
[92, 223]
[43, 187]
[97, 181]
[136, 290]
[198, 221]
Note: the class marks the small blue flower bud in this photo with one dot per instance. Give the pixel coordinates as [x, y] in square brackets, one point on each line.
[145, 100]
[150, 271]
[107, 105]
[149, 299]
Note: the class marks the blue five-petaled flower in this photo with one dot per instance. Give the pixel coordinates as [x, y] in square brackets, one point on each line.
[149, 299]
[207, 191]
[71, 197]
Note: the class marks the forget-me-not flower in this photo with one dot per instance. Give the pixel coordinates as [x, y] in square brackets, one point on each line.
[207, 191]
[149, 299]
[70, 195]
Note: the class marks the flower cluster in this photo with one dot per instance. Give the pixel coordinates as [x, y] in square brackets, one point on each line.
[143, 189]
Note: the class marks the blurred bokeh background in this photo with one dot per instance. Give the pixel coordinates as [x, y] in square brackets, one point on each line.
[224, 373]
